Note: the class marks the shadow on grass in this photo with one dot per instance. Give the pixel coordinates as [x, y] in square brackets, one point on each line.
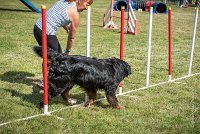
[27, 78]
[14, 10]
[33, 98]
[36, 97]
[19, 77]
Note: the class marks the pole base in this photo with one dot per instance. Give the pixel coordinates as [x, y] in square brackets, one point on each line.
[46, 110]
[170, 77]
[120, 90]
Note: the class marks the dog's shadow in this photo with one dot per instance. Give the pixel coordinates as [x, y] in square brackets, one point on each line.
[19, 77]
[35, 97]
[22, 77]
[32, 98]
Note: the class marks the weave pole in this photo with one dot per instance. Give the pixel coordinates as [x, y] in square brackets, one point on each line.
[149, 46]
[44, 52]
[122, 42]
[88, 31]
[170, 42]
[88, 38]
[193, 40]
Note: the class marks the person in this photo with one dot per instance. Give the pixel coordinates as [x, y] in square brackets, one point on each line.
[64, 13]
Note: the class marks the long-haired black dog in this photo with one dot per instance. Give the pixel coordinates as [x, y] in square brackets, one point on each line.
[92, 74]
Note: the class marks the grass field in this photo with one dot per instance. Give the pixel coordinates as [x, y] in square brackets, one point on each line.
[170, 108]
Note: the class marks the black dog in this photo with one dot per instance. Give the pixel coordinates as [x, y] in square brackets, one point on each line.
[65, 71]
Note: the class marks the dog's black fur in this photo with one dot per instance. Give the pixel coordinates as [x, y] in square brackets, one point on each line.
[92, 74]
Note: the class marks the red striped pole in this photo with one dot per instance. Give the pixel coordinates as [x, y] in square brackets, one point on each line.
[44, 51]
[170, 42]
[121, 42]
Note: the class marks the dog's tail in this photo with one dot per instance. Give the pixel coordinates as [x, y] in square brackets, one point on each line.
[51, 54]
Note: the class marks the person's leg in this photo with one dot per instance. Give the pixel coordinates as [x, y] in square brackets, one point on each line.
[52, 42]
[38, 35]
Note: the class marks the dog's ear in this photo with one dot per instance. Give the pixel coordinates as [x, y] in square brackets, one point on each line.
[38, 50]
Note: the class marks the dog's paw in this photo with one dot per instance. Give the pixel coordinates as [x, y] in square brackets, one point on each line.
[88, 103]
[119, 107]
[71, 101]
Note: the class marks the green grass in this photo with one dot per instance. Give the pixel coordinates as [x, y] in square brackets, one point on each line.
[164, 109]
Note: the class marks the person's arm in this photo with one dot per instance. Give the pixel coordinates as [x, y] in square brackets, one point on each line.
[74, 18]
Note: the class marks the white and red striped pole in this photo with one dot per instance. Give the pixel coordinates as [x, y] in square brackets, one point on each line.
[122, 42]
[44, 51]
[128, 18]
[198, 3]
[132, 22]
[170, 42]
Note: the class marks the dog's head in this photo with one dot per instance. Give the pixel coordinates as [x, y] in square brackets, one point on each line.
[124, 67]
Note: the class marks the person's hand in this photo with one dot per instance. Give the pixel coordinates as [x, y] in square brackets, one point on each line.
[66, 52]
[67, 28]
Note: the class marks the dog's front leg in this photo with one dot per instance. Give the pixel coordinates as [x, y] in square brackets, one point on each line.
[92, 97]
[112, 99]
[65, 95]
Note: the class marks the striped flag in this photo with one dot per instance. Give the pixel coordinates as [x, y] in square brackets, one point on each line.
[185, 3]
[198, 3]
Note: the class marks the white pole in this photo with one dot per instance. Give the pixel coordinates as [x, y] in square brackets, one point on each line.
[88, 39]
[193, 41]
[149, 45]
[88, 32]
